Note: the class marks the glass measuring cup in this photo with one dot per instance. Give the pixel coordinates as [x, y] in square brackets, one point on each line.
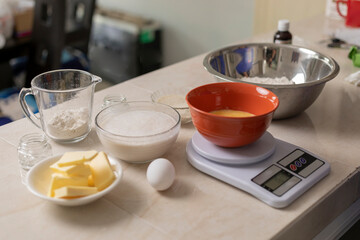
[64, 99]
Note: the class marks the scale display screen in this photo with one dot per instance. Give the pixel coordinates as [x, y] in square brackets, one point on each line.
[277, 180]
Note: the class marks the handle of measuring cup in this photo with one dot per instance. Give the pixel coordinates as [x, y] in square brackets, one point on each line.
[25, 107]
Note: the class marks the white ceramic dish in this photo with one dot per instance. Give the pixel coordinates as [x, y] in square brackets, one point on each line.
[38, 180]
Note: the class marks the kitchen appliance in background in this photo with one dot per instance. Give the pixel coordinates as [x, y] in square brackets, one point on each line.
[123, 46]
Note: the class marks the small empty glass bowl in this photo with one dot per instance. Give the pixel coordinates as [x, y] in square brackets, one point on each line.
[175, 98]
[112, 99]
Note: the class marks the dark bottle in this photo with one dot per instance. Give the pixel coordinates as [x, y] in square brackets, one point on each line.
[283, 35]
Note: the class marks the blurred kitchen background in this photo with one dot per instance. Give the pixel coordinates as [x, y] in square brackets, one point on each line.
[119, 40]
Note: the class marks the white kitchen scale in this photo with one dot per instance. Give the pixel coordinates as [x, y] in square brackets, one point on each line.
[274, 171]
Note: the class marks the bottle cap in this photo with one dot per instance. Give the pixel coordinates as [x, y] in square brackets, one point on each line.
[283, 25]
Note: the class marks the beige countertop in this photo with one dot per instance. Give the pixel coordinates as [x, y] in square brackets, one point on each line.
[198, 206]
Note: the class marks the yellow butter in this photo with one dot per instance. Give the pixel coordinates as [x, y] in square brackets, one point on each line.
[71, 158]
[101, 170]
[80, 169]
[55, 167]
[60, 180]
[74, 191]
[91, 181]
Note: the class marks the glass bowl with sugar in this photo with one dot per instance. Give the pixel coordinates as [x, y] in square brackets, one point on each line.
[139, 131]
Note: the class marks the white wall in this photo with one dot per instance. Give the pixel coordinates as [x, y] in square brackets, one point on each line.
[268, 12]
[192, 27]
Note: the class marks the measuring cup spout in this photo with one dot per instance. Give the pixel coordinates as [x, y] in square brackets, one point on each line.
[95, 79]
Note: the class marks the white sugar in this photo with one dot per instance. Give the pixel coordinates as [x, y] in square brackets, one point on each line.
[139, 123]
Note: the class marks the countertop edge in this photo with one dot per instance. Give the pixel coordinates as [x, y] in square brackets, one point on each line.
[325, 211]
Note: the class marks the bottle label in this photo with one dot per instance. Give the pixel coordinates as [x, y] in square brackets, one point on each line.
[283, 41]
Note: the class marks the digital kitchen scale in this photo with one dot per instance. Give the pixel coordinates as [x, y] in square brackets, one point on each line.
[272, 170]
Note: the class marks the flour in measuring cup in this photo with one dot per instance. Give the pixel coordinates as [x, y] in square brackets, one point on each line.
[68, 124]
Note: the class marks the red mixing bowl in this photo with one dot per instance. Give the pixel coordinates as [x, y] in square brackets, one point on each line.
[228, 131]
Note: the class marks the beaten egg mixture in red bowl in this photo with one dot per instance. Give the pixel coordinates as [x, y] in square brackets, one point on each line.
[231, 114]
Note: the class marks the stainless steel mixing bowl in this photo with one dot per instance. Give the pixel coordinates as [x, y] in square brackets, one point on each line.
[308, 69]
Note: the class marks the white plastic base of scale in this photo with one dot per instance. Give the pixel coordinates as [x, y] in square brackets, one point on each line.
[277, 180]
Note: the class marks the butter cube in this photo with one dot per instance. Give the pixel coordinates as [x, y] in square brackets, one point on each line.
[101, 170]
[60, 180]
[71, 158]
[74, 191]
[91, 181]
[80, 169]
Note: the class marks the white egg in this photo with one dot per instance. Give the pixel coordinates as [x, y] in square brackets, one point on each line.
[160, 174]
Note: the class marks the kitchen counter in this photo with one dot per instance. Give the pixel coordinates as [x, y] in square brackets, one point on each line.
[198, 206]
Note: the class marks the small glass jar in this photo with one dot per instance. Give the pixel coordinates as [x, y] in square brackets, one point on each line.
[112, 99]
[32, 148]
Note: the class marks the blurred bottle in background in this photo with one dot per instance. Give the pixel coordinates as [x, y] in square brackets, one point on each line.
[283, 35]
